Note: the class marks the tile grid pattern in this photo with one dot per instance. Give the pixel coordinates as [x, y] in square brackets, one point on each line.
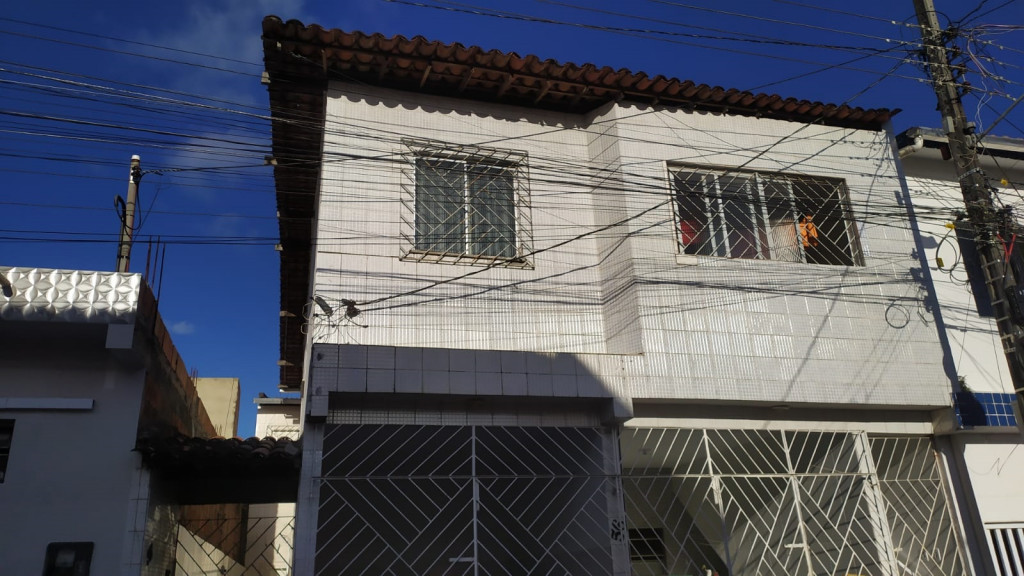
[724, 329]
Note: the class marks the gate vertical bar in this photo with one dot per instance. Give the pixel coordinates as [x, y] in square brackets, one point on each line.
[795, 485]
[476, 501]
[716, 489]
[621, 563]
[882, 532]
[307, 506]
[952, 507]
[1016, 535]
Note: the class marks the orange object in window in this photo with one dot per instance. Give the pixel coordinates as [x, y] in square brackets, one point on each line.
[808, 231]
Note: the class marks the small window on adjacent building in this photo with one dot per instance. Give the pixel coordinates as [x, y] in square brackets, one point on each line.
[762, 216]
[6, 434]
[68, 559]
[646, 545]
[469, 204]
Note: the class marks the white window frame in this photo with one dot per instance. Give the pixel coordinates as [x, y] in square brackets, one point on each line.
[769, 211]
[470, 158]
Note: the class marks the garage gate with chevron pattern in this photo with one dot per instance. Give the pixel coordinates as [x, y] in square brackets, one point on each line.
[404, 499]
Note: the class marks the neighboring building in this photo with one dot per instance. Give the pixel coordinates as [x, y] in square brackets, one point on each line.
[108, 458]
[985, 433]
[559, 319]
[273, 525]
[86, 366]
[278, 417]
[220, 397]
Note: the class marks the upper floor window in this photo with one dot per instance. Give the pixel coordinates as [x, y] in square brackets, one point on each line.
[469, 204]
[764, 216]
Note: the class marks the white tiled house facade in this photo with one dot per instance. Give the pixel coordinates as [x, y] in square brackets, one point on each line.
[573, 379]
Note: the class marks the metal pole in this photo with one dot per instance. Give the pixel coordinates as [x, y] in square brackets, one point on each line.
[124, 245]
[981, 211]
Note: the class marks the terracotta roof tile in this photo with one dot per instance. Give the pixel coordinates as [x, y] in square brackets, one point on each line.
[186, 453]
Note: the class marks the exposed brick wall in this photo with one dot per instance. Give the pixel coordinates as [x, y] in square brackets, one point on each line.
[170, 402]
[224, 526]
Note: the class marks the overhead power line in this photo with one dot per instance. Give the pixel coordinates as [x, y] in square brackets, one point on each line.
[127, 41]
[125, 53]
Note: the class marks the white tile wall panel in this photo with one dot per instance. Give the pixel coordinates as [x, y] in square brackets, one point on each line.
[705, 331]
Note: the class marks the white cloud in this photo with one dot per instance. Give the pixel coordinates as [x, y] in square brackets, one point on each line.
[182, 328]
[229, 29]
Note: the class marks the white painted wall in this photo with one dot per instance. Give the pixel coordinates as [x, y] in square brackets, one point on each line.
[973, 340]
[557, 306]
[777, 331]
[274, 524]
[993, 462]
[72, 476]
[996, 468]
[722, 330]
[277, 421]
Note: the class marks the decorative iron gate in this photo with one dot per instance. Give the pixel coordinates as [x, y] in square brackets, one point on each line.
[468, 500]
[235, 540]
[756, 502]
[916, 505]
[480, 500]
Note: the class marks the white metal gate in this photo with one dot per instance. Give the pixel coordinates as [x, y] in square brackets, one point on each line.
[756, 502]
[923, 531]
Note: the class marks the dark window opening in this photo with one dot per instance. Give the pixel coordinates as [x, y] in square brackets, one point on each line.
[751, 215]
[68, 559]
[6, 435]
[646, 545]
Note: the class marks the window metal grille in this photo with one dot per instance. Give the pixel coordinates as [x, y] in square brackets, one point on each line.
[761, 216]
[1007, 546]
[293, 431]
[466, 204]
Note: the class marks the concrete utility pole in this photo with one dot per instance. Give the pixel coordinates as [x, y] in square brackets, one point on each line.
[124, 245]
[990, 225]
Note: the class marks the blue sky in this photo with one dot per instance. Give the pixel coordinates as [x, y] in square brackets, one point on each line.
[84, 85]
